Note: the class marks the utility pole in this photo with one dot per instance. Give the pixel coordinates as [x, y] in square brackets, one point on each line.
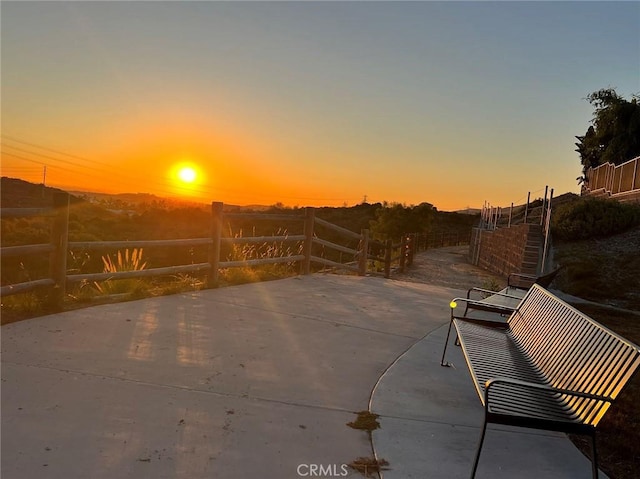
[44, 179]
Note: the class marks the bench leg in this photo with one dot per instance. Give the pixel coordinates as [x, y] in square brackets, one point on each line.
[446, 342]
[594, 461]
[475, 462]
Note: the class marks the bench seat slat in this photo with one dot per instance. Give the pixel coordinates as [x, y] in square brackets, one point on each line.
[492, 354]
[533, 404]
[504, 359]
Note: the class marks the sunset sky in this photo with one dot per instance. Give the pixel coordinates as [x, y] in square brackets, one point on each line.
[310, 103]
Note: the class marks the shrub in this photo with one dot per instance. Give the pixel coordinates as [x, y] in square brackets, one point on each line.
[28, 304]
[593, 218]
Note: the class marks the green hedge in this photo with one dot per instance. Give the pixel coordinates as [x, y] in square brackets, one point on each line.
[593, 218]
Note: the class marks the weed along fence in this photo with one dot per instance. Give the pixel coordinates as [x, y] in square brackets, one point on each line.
[314, 245]
[56, 248]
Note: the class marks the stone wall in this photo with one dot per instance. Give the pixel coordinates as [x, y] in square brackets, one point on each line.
[507, 250]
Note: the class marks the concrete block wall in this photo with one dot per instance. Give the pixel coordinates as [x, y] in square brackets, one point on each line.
[507, 250]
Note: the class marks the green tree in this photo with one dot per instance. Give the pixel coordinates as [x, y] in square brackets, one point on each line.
[614, 135]
[394, 220]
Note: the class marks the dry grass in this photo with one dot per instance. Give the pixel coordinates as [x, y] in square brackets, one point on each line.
[137, 288]
[258, 251]
[23, 306]
[35, 304]
[604, 270]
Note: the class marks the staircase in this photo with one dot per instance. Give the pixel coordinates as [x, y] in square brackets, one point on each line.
[508, 250]
[532, 255]
[517, 252]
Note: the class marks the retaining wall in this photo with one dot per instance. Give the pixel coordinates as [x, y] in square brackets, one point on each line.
[507, 250]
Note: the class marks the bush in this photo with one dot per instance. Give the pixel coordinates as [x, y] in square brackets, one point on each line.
[593, 218]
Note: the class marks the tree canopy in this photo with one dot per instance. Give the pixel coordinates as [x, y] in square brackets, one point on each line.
[394, 220]
[614, 133]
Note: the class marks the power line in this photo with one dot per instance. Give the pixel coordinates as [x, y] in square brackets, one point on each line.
[19, 168]
[160, 185]
[109, 171]
[67, 162]
[17, 140]
[19, 157]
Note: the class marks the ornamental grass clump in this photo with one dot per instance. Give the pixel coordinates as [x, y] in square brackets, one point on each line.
[126, 262]
[265, 250]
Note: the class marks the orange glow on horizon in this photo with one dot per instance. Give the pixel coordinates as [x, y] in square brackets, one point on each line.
[174, 160]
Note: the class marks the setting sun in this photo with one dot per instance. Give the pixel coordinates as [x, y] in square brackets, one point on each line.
[187, 178]
[187, 174]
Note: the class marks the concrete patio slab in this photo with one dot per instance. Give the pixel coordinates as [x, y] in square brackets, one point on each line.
[246, 381]
[257, 380]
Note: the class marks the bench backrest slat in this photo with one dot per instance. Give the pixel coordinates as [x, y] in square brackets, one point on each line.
[572, 351]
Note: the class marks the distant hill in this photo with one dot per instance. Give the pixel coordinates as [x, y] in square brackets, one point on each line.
[16, 193]
[132, 198]
[469, 211]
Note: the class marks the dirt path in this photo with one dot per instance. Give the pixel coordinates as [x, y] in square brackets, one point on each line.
[448, 267]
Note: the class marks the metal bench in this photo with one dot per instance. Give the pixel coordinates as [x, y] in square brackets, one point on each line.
[547, 367]
[525, 281]
[503, 302]
[506, 300]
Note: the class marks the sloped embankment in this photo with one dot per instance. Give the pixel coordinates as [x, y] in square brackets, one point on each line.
[604, 270]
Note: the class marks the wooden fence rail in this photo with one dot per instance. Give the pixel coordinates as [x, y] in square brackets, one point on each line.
[59, 247]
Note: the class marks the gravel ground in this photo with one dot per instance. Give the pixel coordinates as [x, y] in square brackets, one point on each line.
[448, 267]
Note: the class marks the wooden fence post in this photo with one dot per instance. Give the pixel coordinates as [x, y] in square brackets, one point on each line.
[59, 241]
[310, 215]
[387, 258]
[403, 252]
[364, 253]
[411, 248]
[214, 247]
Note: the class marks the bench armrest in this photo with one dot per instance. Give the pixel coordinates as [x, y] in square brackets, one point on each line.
[542, 387]
[475, 304]
[530, 277]
[492, 293]
[522, 275]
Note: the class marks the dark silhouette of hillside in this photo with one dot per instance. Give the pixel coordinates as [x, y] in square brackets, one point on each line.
[16, 193]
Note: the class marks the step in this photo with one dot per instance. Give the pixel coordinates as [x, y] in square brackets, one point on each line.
[530, 266]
